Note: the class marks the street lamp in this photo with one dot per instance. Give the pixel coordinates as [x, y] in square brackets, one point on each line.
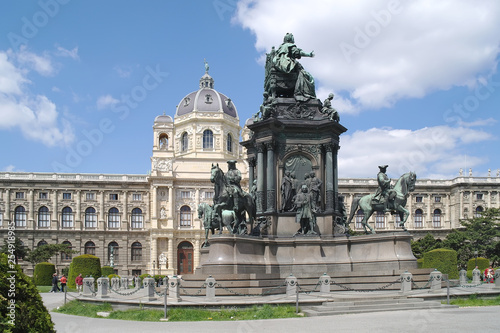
[475, 253]
[154, 263]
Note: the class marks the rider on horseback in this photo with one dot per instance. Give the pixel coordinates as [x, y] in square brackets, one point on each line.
[233, 187]
[383, 194]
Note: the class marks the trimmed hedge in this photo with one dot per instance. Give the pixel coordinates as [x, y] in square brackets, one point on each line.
[31, 316]
[110, 276]
[482, 264]
[87, 265]
[444, 260]
[43, 273]
[420, 263]
[107, 270]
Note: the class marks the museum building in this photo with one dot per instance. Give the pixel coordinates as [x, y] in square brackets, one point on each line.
[150, 222]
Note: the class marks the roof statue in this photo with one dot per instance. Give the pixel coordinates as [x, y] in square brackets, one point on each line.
[207, 68]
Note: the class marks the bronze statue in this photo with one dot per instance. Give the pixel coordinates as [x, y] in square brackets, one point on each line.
[384, 187]
[305, 214]
[287, 192]
[314, 187]
[328, 110]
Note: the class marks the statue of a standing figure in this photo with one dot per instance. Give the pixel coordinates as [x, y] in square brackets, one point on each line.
[314, 187]
[286, 192]
[305, 215]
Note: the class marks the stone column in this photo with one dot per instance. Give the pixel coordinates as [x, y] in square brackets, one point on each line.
[124, 283]
[476, 276]
[406, 279]
[329, 187]
[31, 214]
[154, 207]
[102, 287]
[463, 277]
[251, 175]
[154, 251]
[461, 212]
[125, 223]
[497, 279]
[173, 288]
[171, 213]
[428, 220]
[170, 254]
[335, 177]
[115, 283]
[324, 282]
[210, 289]
[260, 179]
[78, 215]
[271, 182]
[137, 281]
[101, 223]
[291, 285]
[88, 287]
[436, 277]
[149, 289]
[196, 252]
[54, 225]
[7, 206]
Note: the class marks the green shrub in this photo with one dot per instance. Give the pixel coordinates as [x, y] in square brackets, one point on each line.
[143, 276]
[443, 260]
[110, 276]
[65, 271]
[87, 265]
[158, 277]
[482, 264]
[107, 270]
[31, 316]
[43, 273]
[420, 263]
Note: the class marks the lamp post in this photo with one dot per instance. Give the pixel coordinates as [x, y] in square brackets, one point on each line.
[154, 263]
[475, 254]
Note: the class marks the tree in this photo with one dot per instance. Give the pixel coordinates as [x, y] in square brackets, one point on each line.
[17, 248]
[45, 252]
[457, 240]
[483, 232]
[423, 245]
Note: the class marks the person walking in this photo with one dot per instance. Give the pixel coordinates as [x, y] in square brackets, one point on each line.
[63, 282]
[55, 287]
[79, 283]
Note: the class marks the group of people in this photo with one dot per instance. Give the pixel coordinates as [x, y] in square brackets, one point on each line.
[64, 280]
[489, 275]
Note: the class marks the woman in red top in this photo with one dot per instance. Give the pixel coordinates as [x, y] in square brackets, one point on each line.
[63, 281]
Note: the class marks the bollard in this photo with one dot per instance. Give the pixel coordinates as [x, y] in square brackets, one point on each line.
[149, 288]
[436, 278]
[137, 281]
[406, 279]
[497, 279]
[476, 276]
[173, 288]
[124, 283]
[115, 283]
[88, 287]
[324, 282]
[102, 287]
[291, 285]
[210, 289]
[462, 277]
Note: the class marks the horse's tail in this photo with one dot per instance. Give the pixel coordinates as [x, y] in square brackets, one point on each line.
[354, 207]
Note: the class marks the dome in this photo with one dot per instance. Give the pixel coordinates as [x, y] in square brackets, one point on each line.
[206, 99]
[163, 119]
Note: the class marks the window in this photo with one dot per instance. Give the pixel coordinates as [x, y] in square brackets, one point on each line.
[90, 218]
[397, 220]
[479, 196]
[1, 219]
[229, 143]
[41, 243]
[43, 195]
[113, 248]
[419, 219]
[418, 198]
[359, 217]
[64, 256]
[136, 251]
[43, 217]
[437, 199]
[66, 196]
[185, 216]
[137, 197]
[20, 216]
[89, 248]
[478, 212]
[185, 194]
[90, 196]
[436, 218]
[208, 139]
[136, 218]
[184, 142]
[113, 218]
[113, 197]
[380, 220]
[19, 195]
[67, 217]
[209, 195]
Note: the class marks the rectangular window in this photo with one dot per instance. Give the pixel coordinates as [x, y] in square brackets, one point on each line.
[436, 221]
[43, 195]
[136, 255]
[209, 195]
[418, 198]
[113, 197]
[137, 197]
[380, 221]
[437, 199]
[66, 196]
[185, 194]
[1, 219]
[479, 196]
[90, 196]
[19, 195]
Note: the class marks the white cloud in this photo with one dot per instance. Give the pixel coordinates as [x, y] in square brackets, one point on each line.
[9, 168]
[377, 52]
[423, 150]
[35, 115]
[123, 72]
[106, 101]
[41, 64]
[73, 54]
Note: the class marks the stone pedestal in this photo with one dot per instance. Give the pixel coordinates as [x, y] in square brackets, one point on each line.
[124, 283]
[476, 276]
[291, 285]
[406, 282]
[497, 278]
[137, 281]
[149, 289]
[102, 287]
[88, 287]
[436, 278]
[115, 283]
[210, 289]
[173, 288]
[324, 284]
[463, 277]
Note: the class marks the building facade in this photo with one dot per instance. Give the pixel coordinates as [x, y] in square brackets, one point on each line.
[150, 222]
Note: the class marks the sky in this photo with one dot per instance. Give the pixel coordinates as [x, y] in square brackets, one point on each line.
[416, 83]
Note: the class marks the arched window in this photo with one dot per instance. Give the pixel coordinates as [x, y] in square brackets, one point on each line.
[184, 142]
[113, 248]
[113, 218]
[136, 218]
[229, 143]
[380, 220]
[41, 243]
[43, 217]
[185, 216]
[64, 256]
[136, 251]
[359, 217]
[20, 216]
[208, 139]
[90, 218]
[479, 211]
[436, 218]
[419, 219]
[67, 217]
[89, 248]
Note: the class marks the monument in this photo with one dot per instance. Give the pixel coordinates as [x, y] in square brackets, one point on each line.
[292, 154]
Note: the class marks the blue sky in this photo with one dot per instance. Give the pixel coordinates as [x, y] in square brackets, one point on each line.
[416, 83]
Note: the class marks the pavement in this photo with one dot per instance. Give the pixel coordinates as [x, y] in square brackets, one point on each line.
[486, 319]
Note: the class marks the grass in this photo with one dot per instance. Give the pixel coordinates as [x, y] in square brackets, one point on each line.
[475, 300]
[46, 289]
[266, 311]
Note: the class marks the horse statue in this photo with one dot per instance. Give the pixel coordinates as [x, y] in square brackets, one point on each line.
[223, 201]
[396, 202]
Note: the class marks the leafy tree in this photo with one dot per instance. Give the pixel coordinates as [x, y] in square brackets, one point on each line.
[45, 252]
[17, 248]
[457, 240]
[483, 233]
[424, 245]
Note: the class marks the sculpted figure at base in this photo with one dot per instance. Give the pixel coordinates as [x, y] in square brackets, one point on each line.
[305, 213]
[328, 110]
[314, 187]
[287, 192]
